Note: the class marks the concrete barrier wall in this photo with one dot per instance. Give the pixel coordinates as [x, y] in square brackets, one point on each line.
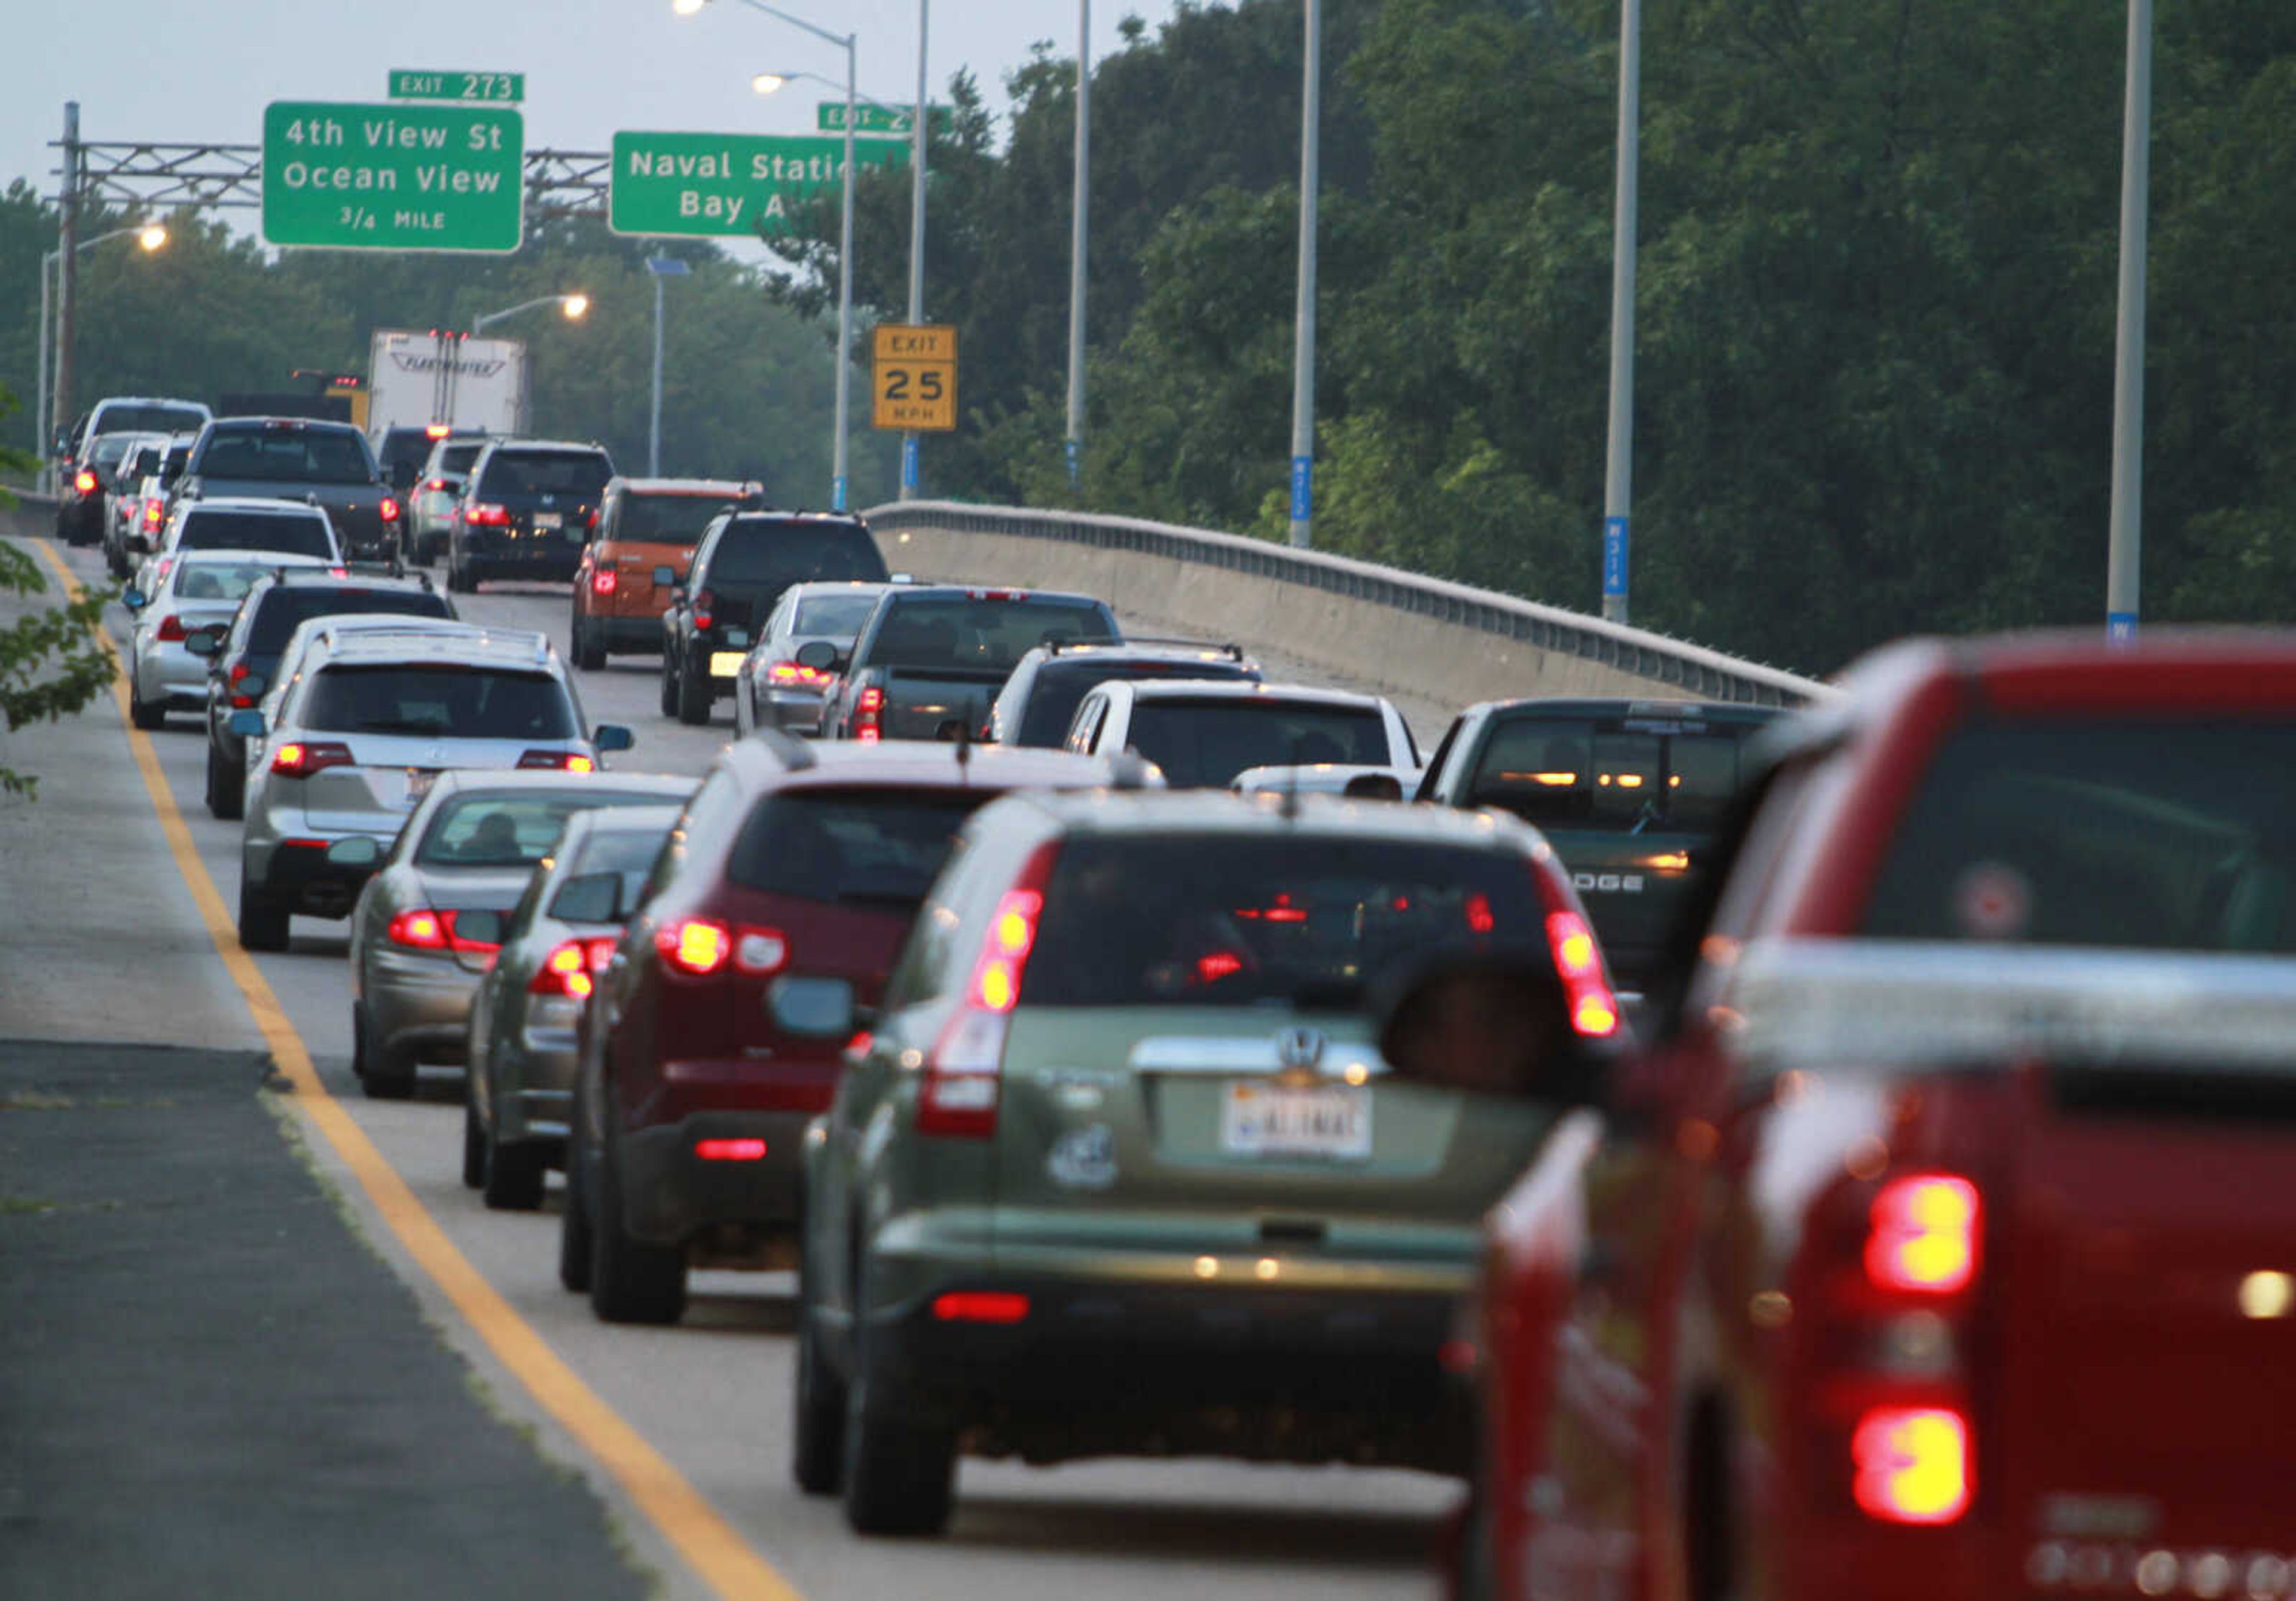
[1409, 635]
[31, 517]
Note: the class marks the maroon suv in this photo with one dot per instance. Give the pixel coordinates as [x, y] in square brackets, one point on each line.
[703, 1054]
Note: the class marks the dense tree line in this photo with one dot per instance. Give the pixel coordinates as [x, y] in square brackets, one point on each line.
[1876, 300]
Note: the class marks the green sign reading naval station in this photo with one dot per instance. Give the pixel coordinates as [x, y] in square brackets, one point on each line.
[725, 184]
[393, 178]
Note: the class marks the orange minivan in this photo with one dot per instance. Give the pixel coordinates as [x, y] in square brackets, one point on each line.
[643, 523]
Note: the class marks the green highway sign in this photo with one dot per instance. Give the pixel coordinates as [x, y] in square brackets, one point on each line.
[725, 184]
[878, 119]
[475, 88]
[396, 177]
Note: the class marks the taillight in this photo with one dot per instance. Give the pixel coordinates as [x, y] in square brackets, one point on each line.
[239, 698]
[1925, 1235]
[435, 483]
[152, 508]
[792, 672]
[868, 711]
[563, 762]
[981, 1306]
[389, 509]
[961, 1087]
[565, 971]
[604, 581]
[1594, 1009]
[700, 947]
[485, 514]
[83, 481]
[1912, 1464]
[730, 1150]
[702, 602]
[425, 930]
[297, 760]
[171, 628]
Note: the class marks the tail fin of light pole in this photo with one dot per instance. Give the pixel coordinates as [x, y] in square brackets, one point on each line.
[1619, 476]
[1303, 353]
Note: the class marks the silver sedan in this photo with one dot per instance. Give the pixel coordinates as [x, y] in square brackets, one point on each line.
[199, 591]
[429, 922]
[521, 1047]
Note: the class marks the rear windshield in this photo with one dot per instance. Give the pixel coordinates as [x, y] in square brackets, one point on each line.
[1612, 774]
[1206, 743]
[287, 605]
[582, 472]
[405, 447]
[880, 848]
[833, 616]
[1060, 686]
[287, 454]
[2133, 833]
[151, 419]
[143, 461]
[177, 455]
[758, 550]
[108, 450]
[1230, 920]
[511, 831]
[457, 458]
[456, 703]
[662, 519]
[629, 852]
[291, 532]
[964, 631]
[219, 581]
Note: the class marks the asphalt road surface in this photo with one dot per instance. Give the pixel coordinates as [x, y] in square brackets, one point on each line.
[680, 1433]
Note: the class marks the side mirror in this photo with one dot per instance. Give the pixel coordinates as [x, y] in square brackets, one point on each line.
[1491, 1023]
[353, 850]
[612, 736]
[665, 578]
[811, 1008]
[819, 654]
[247, 723]
[479, 926]
[134, 600]
[137, 545]
[203, 641]
[590, 898]
[1373, 786]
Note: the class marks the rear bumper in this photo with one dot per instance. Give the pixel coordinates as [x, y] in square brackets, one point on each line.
[671, 1194]
[418, 1007]
[625, 633]
[297, 871]
[534, 1071]
[547, 555]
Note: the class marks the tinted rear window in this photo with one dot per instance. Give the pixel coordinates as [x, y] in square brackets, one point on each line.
[405, 447]
[1060, 686]
[457, 458]
[834, 616]
[630, 852]
[980, 632]
[2130, 834]
[287, 454]
[510, 831]
[668, 519]
[284, 607]
[1206, 743]
[109, 449]
[582, 472]
[218, 580]
[150, 419]
[1613, 773]
[879, 847]
[1231, 920]
[456, 703]
[778, 554]
[256, 531]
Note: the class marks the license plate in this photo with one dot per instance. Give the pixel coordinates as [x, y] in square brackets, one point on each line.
[419, 780]
[548, 519]
[1263, 1119]
[725, 664]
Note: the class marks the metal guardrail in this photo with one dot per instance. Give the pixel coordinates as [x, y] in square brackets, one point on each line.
[1692, 669]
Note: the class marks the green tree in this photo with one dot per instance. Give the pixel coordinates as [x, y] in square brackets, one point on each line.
[50, 663]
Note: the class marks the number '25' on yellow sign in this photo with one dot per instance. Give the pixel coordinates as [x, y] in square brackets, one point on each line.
[914, 378]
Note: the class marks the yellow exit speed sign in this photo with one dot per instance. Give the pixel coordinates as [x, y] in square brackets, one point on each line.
[913, 383]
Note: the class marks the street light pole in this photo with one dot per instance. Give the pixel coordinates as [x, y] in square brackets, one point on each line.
[41, 430]
[840, 478]
[1081, 229]
[658, 267]
[67, 254]
[909, 474]
[2122, 577]
[1619, 475]
[1303, 351]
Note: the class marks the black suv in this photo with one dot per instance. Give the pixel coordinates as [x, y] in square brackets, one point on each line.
[526, 512]
[240, 669]
[1040, 700]
[745, 560]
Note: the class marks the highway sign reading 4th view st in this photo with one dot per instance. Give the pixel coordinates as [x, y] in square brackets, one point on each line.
[393, 178]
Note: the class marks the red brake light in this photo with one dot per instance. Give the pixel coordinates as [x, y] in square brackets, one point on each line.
[435, 483]
[171, 628]
[703, 601]
[564, 971]
[421, 930]
[83, 481]
[866, 710]
[1594, 1009]
[696, 946]
[730, 1150]
[389, 509]
[604, 581]
[153, 506]
[297, 759]
[791, 672]
[1925, 1235]
[958, 1097]
[563, 762]
[486, 514]
[1004, 952]
[1912, 1464]
[979, 1306]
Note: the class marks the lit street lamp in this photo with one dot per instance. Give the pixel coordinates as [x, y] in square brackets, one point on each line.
[152, 237]
[576, 306]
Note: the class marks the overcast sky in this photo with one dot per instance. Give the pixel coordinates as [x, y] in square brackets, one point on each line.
[176, 70]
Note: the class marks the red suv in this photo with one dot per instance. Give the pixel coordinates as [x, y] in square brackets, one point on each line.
[701, 1055]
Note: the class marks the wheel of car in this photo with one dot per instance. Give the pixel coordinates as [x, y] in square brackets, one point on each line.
[817, 1442]
[693, 696]
[474, 1147]
[145, 715]
[574, 1242]
[900, 1474]
[589, 655]
[513, 1175]
[226, 787]
[380, 1076]
[262, 922]
[669, 683]
[630, 1281]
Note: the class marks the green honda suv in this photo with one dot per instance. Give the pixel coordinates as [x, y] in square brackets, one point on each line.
[1116, 1167]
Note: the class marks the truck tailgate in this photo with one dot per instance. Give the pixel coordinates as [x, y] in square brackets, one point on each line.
[919, 704]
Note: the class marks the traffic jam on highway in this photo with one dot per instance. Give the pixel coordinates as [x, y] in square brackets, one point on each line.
[1757, 1153]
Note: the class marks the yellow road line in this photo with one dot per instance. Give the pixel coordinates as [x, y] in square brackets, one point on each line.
[711, 1546]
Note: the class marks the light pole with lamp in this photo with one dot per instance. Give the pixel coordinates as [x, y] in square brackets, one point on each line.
[1303, 324]
[839, 478]
[1079, 234]
[151, 237]
[574, 304]
[658, 267]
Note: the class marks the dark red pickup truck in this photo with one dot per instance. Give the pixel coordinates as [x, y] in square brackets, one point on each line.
[1944, 1245]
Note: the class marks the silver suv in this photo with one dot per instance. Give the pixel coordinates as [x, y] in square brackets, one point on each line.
[353, 735]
